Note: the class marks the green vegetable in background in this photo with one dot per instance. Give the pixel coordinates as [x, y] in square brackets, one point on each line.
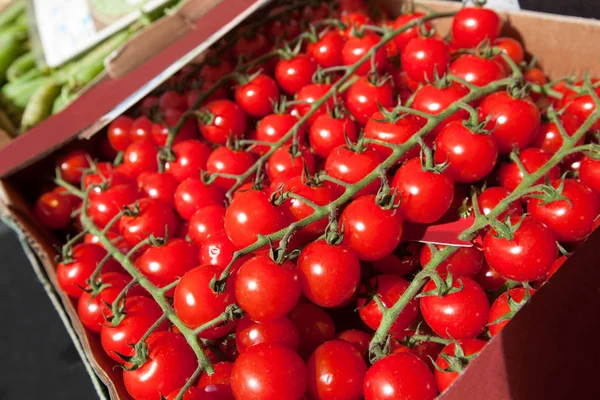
[20, 66]
[11, 13]
[39, 106]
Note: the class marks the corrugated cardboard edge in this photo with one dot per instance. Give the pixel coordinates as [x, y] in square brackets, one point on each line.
[39, 240]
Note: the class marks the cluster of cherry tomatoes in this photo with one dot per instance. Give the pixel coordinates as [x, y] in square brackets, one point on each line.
[310, 314]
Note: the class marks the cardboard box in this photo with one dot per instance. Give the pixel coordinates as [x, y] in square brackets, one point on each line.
[546, 352]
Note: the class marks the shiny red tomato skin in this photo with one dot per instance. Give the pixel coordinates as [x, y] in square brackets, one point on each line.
[162, 265]
[477, 70]
[314, 325]
[171, 362]
[192, 194]
[569, 220]
[141, 129]
[193, 393]
[257, 96]
[432, 100]
[327, 51]
[329, 274]
[426, 351]
[389, 288]
[227, 161]
[141, 156]
[221, 376]
[154, 218]
[281, 331]
[370, 231]
[466, 261]
[510, 176]
[228, 120]
[140, 314]
[205, 222]
[549, 138]
[336, 371]
[460, 315]
[53, 210]
[589, 173]
[274, 127]
[403, 38]
[158, 186]
[171, 100]
[426, 195]
[583, 107]
[556, 266]
[425, 57]
[489, 199]
[471, 156]
[350, 167]
[469, 346]
[514, 122]
[488, 278]
[356, 48]
[118, 132]
[364, 98]
[251, 213]
[295, 73]
[512, 47]
[73, 276]
[160, 131]
[393, 133]
[104, 206]
[195, 303]
[217, 249]
[269, 371]
[399, 264]
[190, 159]
[500, 308]
[311, 94]
[72, 166]
[358, 339]
[282, 160]
[400, 376]
[527, 257]
[267, 291]
[472, 25]
[327, 133]
[107, 176]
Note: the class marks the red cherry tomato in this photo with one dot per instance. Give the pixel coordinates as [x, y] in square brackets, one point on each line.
[589, 173]
[489, 279]
[583, 107]
[159, 186]
[141, 129]
[477, 70]
[556, 266]
[192, 194]
[426, 351]
[72, 166]
[269, 371]
[403, 261]
[351, 166]
[472, 25]
[424, 58]
[257, 96]
[327, 133]
[327, 51]
[191, 157]
[434, 100]
[151, 217]
[402, 39]
[489, 199]
[426, 195]
[53, 210]
[549, 138]
[458, 315]
[160, 131]
[356, 48]
[225, 119]
[397, 132]
[192, 393]
[527, 257]
[249, 333]
[162, 265]
[104, 177]
[274, 127]
[205, 222]
[295, 73]
[502, 308]
[310, 94]
[224, 160]
[358, 339]
[512, 48]
[118, 132]
[221, 376]
[141, 156]
[336, 371]
[510, 176]
[466, 261]
[171, 362]
[314, 325]
[105, 205]
[282, 159]
[469, 348]
[364, 98]
[399, 376]
[251, 45]
[214, 69]
[217, 249]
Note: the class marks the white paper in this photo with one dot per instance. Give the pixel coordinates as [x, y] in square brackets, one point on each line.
[503, 4]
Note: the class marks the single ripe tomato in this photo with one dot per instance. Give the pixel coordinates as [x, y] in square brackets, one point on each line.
[327, 51]
[105, 205]
[251, 214]
[510, 176]
[221, 376]
[476, 70]
[224, 119]
[267, 291]
[141, 129]
[336, 371]
[506, 309]
[196, 303]
[389, 289]
[589, 173]
[104, 176]
[283, 159]
[257, 96]
[269, 371]
[224, 160]
[354, 19]
[364, 98]
[352, 166]
[217, 249]
[489, 279]
[281, 331]
[141, 156]
[371, 231]
[73, 273]
[469, 347]
[472, 25]
[527, 257]
[191, 157]
[295, 73]
[513, 122]
[426, 195]
[274, 127]
[158, 186]
[403, 38]
[512, 48]
[549, 138]
[140, 313]
[357, 47]
[192, 194]
[329, 274]
[171, 362]
[399, 376]
[397, 132]
[72, 166]
[489, 199]
[466, 261]
[432, 100]
[160, 131]
[404, 260]
[118, 132]
[164, 264]
[457, 315]
[424, 58]
[310, 94]
[572, 217]
[328, 132]
[583, 107]
[53, 210]
[205, 222]
[471, 156]
[314, 325]
[150, 217]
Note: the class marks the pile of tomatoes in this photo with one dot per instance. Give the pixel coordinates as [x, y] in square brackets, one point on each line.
[312, 300]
